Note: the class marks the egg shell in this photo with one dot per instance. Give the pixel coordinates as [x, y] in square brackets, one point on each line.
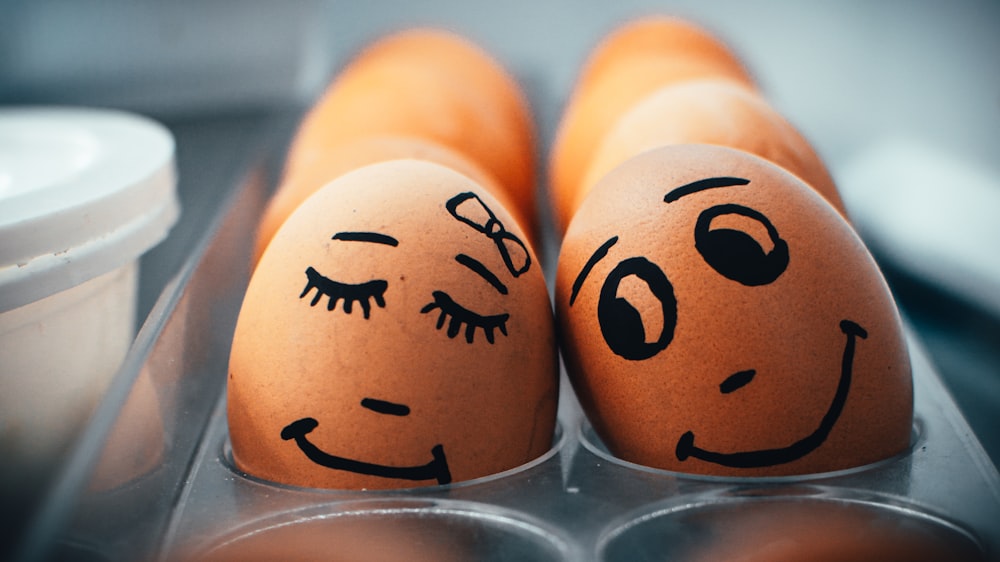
[632, 62]
[740, 363]
[416, 377]
[659, 36]
[435, 85]
[385, 533]
[827, 532]
[718, 112]
[306, 178]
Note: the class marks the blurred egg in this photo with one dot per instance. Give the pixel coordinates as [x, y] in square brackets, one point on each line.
[828, 531]
[717, 316]
[659, 37]
[386, 533]
[432, 85]
[304, 180]
[633, 61]
[718, 112]
[396, 332]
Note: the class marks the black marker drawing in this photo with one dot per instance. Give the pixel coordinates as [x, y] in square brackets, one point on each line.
[335, 291]
[373, 237]
[701, 185]
[599, 254]
[736, 255]
[436, 469]
[461, 315]
[769, 457]
[737, 381]
[383, 407]
[481, 270]
[621, 324]
[470, 209]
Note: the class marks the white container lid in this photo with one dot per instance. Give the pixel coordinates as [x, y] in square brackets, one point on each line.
[82, 192]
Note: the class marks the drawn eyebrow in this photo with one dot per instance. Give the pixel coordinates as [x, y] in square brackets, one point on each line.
[702, 185]
[596, 257]
[366, 237]
[383, 407]
[477, 267]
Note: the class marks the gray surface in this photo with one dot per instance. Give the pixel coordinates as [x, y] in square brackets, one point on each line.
[213, 153]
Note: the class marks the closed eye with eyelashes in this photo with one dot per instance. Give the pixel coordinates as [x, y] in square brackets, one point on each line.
[335, 291]
[461, 315]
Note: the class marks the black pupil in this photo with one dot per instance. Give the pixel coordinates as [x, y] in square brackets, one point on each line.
[735, 254]
[621, 323]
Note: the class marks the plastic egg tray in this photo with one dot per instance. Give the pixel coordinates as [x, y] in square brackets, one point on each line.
[153, 479]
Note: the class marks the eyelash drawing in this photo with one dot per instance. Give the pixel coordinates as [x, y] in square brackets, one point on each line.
[460, 315]
[360, 293]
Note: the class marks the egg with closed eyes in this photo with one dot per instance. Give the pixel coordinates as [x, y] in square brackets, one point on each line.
[396, 332]
[718, 316]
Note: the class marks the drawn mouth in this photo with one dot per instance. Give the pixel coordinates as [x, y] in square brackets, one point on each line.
[770, 457]
[436, 469]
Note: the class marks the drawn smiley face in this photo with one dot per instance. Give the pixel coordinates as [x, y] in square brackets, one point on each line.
[719, 317]
[396, 332]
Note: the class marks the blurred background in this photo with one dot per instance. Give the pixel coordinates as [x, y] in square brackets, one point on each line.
[901, 98]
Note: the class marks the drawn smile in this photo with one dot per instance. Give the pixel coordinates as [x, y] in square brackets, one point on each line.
[769, 457]
[436, 469]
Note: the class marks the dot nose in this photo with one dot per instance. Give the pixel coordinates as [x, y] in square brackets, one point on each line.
[737, 381]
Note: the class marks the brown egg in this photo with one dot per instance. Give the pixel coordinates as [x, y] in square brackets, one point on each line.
[432, 85]
[633, 61]
[828, 531]
[718, 112]
[306, 179]
[719, 317]
[659, 36]
[392, 534]
[397, 332]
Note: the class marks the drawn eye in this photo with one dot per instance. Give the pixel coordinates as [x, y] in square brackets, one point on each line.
[461, 315]
[335, 291]
[622, 324]
[741, 244]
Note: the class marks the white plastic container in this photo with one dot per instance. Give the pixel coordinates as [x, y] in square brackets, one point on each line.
[83, 194]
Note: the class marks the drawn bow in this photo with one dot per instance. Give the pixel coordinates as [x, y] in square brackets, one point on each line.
[470, 209]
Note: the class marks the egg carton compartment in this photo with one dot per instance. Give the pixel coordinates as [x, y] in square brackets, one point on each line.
[153, 477]
[579, 502]
[499, 517]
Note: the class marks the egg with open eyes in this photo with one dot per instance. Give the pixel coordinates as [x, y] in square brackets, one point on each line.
[396, 332]
[717, 316]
